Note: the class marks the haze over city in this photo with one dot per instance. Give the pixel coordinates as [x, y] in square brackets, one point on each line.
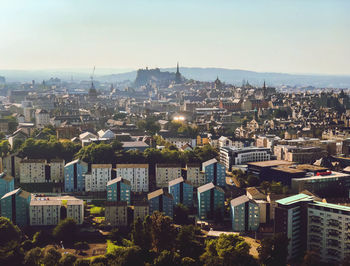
[265, 36]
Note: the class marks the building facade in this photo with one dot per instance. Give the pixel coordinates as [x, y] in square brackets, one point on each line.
[98, 178]
[194, 174]
[15, 206]
[141, 210]
[74, 179]
[166, 173]
[116, 213]
[137, 174]
[244, 214]
[7, 184]
[33, 171]
[215, 172]
[211, 201]
[160, 200]
[182, 192]
[119, 189]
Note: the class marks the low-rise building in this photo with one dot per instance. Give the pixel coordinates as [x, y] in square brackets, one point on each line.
[116, 213]
[160, 200]
[211, 201]
[166, 173]
[182, 192]
[119, 189]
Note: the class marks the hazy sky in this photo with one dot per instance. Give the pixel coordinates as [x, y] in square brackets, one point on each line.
[296, 36]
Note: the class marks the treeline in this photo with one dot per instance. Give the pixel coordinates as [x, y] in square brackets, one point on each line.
[106, 153]
[153, 241]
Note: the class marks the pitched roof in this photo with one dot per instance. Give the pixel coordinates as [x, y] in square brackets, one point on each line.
[6, 177]
[209, 162]
[293, 199]
[118, 179]
[157, 193]
[11, 193]
[239, 200]
[205, 187]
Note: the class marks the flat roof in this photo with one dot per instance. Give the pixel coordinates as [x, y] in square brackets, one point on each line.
[287, 169]
[311, 167]
[332, 175]
[293, 199]
[333, 206]
[270, 163]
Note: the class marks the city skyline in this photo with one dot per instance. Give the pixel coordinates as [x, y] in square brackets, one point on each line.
[262, 36]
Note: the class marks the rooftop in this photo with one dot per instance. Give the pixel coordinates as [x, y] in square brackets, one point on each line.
[293, 199]
[332, 175]
[270, 163]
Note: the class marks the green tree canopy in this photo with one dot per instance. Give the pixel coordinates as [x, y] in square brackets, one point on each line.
[274, 250]
[66, 230]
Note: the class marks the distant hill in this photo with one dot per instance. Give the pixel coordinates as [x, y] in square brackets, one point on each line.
[236, 76]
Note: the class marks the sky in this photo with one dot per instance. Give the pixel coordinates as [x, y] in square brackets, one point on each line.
[291, 36]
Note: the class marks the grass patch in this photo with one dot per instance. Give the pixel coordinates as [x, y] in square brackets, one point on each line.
[111, 247]
[97, 210]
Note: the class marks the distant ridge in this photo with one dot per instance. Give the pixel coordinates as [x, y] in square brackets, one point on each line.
[236, 76]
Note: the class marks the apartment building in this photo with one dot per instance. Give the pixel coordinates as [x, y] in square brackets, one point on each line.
[166, 173]
[119, 189]
[56, 170]
[116, 213]
[74, 176]
[42, 118]
[98, 178]
[33, 171]
[194, 174]
[215, 172]
[15, 206]
[303, 155]
[245, 214]
[182, 192]
[160, 200]
[211, 201]
[141, 210]
[7, 184]
[45, 211]
[232, 156]
[137, 174]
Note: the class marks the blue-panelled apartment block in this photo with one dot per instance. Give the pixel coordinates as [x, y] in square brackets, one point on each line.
[211, 201]
[244, 214]
[15, 206]
[215, 172]
[182, 191]
[119, 189]
[7, 184]
[160, 200]
[74, 180]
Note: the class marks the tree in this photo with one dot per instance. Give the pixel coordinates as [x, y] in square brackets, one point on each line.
[52, 257]
[181, 214]
[4, 148]
[137, 233]
[10, 237]
[67, 260]
[187, 244]
[66, 230]
[33, 257]
[162, 231]
[227, 250]
[187, 261]
[167, 258]
[252, 180]
[82, 262]
[41, 238]
[274, 250]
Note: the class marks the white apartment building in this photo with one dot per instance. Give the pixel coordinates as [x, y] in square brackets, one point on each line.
[195, 175]
[75, 210]
[98, 178]
[116, 213]
[179, 142]
[166, 173]
[232, 156]
[137, 174]
[42, 118]
[57, 170]
[45, 211]
[32, 171]
[328, 231]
